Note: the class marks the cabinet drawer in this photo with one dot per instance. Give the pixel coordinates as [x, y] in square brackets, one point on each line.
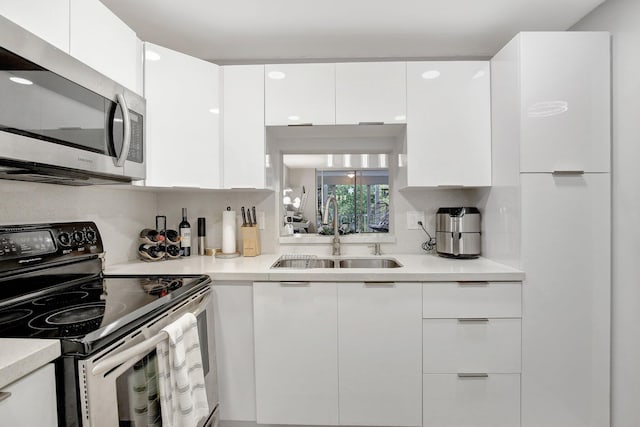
[31, 401]
[452, 401]
[471, 345]
[471, 299]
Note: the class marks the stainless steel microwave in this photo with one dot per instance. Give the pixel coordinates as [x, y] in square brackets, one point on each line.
[60, 120]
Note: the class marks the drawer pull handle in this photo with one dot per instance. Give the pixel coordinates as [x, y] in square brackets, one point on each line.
[473, 283]
[473, 319]
[370, 123]
[473, 375]
[4, 395]
[295, 283]
[380, 284]
[567, 172]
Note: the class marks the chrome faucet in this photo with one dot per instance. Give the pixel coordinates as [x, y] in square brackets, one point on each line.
[325, 221]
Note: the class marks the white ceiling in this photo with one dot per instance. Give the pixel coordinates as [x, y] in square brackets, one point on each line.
[271, 30]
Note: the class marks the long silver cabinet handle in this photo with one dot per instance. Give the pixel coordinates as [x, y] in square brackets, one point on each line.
[4, 395]
[380, 284]
[370, 123]
[473, 375]
[473, 283]
[295, 283]
[472, 319]
[567, 172]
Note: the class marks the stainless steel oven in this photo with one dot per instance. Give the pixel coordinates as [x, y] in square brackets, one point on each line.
[52, 286]
[120, 382]
[60, 120]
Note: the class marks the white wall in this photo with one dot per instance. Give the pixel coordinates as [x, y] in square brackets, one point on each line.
[120, 214]
[622, 19]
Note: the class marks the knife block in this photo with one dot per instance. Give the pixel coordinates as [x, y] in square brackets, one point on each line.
[250, 240]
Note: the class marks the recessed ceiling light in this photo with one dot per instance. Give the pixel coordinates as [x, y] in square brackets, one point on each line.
[20, 81]
[431, 74]
[214, 110]
[276, 75]
[480, 74]
[151, 55]
[400, 118]
[294, 118]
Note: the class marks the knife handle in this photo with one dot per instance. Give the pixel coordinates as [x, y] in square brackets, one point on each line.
[244, 217]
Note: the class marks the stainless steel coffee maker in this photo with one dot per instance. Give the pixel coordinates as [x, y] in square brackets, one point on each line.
[458, 232]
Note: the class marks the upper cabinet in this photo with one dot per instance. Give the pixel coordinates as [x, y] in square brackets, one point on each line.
[183, 120]
[565, 95]
[48, 20]
[101, 40]
[448, 124]
[300, 94]
[371, 92]
[244, 133]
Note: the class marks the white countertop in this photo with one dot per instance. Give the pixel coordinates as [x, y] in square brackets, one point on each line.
[20, 357]
[422, 268]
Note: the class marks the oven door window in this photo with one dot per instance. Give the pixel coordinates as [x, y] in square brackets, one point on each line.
[138, 398]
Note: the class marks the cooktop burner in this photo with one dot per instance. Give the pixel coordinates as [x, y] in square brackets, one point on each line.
[61, 299]
[8, 316]
[77, 314]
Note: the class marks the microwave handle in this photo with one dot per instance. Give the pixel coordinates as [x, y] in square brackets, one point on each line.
[126, 143]
[141, 348]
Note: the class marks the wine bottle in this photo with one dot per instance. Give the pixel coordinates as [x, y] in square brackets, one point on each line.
[185, 234]
[172, 250]
[153, 251]
[152, 235]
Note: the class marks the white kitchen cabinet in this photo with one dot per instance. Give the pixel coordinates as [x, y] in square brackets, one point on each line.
[32, 400]
[101, 40]
[451, 400]
[565, 88]
[472, 345]
[448, 124]
[183, 120]
[379, 354]
[234, 350]
[566, 315]
[296, 353]
[471, 300]
[48, 20]
[371, 92]
[300, 94]
[244, 133]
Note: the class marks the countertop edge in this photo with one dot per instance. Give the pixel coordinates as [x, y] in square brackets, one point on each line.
[20, 357]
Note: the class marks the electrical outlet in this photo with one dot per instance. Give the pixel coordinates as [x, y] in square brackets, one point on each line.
[260, 220]
[412, 220]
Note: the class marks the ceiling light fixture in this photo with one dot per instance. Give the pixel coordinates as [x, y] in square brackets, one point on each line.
[276, 75]
[151, 55]
[431, 74]
[20, 81]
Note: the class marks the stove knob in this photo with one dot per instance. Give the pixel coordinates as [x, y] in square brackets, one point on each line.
[64, 239]
[78, 237]
[91, 236]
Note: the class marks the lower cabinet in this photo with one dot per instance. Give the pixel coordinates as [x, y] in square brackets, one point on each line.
[472, 352]
[30, 401]
[459, 400]
[379, 354]
[296, 348]
[347, 353]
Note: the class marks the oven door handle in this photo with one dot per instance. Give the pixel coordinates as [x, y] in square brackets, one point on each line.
[140, 348]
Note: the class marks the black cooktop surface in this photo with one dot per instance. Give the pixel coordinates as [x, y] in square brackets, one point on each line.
[95, 310]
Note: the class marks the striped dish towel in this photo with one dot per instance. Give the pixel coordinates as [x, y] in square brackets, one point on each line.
[183, 398]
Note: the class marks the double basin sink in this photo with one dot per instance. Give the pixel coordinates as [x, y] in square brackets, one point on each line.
[307, 263]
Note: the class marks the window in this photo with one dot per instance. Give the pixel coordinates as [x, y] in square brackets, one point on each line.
[362, 196]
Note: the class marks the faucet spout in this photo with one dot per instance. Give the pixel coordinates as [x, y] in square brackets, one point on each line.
[325, 220]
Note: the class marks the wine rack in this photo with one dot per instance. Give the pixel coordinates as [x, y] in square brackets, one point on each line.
[159, 244]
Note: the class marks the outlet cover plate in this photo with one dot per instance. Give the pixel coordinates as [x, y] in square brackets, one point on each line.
[412, 220]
